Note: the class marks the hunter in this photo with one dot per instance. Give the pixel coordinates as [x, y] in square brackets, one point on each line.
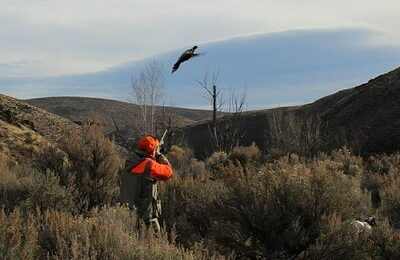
[143, 169]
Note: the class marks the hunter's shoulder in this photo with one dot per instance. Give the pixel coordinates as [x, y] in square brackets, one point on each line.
[134, 157]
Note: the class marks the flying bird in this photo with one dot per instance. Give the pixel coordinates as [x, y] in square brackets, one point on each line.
[188, 54]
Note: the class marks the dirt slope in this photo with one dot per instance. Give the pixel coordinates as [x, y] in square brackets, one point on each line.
[24, 128]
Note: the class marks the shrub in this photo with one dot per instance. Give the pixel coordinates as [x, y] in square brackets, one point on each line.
[338, 240]
[183, 162]
[381, 174]
[278, 211]
[53, 159]
[384, 164]
[385, 242]
[24, 187]
[13, 190]
[94, 163]
[283, 208]
[391, 202]
[245, 155]
[216, 160]
[291, 208]
[342, 160]
[230, 173]
[177, 157]
[19, 235]
[109, 233]
[47, 193]
[87, 164]
[190, 206]
[196, 168]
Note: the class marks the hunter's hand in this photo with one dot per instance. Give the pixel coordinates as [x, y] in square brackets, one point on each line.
[158, 153]
[162, 159]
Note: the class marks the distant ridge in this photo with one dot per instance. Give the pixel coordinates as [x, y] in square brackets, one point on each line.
[116, 116]
[79, 107]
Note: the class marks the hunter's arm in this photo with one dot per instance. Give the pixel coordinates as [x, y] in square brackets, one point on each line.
[161, 169]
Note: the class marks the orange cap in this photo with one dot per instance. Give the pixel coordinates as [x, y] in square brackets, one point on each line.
[148, 143]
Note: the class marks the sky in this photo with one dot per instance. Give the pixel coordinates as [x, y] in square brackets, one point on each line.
[60, 37]
[53, 37]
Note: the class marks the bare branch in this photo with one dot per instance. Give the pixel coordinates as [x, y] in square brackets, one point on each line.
[148, 92]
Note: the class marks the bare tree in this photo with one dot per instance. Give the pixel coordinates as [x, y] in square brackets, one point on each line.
[148, 92]
[230, 132]
[224, 134]
[291, 134]
[213, 95]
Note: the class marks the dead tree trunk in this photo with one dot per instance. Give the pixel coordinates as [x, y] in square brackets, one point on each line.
[215, 108]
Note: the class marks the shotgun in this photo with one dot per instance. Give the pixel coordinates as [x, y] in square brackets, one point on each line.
[162, 140]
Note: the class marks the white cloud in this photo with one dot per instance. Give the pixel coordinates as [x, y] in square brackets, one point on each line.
[81, 36]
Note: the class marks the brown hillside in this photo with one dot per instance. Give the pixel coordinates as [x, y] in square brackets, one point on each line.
[23, 128]
[366, 118]
[370, 112]
[113, 114]
[82, 108]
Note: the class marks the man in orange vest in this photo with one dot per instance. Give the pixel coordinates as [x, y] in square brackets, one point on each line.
[144, 168]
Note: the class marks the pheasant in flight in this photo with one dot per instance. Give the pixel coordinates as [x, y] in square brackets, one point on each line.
[188, 54]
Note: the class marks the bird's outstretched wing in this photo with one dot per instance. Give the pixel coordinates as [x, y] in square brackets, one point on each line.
[184, 58]
[188, 54]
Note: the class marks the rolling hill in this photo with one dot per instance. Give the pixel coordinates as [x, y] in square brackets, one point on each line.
[79, 108]
[117, 117]
[365, 118]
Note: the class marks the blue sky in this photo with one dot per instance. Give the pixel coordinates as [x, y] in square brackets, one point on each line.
[301, 50]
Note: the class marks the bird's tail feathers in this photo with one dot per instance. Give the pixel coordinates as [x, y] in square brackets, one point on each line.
[175, 67]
